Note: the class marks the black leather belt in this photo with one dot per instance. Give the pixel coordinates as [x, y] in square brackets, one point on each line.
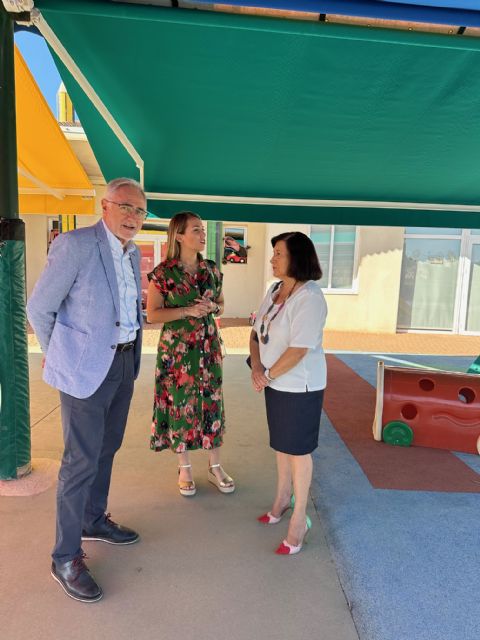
[126, 346]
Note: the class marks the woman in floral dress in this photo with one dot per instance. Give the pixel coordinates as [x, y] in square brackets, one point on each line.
[185, 293]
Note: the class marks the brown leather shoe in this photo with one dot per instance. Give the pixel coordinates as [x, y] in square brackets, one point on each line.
[76, 580]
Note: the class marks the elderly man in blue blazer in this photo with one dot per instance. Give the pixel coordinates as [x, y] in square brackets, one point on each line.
[86, 312]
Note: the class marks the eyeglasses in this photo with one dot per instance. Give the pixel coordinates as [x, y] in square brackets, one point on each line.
[129, 209]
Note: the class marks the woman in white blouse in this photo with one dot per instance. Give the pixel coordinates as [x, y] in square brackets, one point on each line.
[288, 362]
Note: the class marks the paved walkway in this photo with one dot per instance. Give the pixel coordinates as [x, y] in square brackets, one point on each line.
[204, 568]
[236, 332]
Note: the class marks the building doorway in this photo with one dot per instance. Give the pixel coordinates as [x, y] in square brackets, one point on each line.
[153, 249]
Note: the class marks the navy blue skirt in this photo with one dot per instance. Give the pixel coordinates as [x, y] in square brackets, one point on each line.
[293, 420]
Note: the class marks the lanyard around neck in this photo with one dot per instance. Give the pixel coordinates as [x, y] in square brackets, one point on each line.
[264, 330]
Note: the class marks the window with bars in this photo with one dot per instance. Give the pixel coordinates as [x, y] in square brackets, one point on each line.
[335, 246]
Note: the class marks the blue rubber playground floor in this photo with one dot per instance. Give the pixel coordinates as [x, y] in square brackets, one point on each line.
[408, 561]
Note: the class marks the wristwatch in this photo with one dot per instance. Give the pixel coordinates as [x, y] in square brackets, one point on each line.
[216, 311]
[266, 373]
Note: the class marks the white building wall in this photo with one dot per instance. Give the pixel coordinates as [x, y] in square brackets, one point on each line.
[36, 239]
[372, 306]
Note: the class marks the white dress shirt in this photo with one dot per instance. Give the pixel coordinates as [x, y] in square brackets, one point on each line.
[299, 324]
[127, 287]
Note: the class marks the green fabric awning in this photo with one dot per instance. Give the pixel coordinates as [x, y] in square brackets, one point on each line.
[231, 105]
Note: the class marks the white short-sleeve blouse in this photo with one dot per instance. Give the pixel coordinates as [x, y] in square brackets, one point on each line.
[299, 324]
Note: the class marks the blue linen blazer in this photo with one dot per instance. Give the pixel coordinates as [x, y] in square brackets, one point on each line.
[75, 311]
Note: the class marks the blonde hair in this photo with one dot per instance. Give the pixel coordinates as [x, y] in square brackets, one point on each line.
[178, 224]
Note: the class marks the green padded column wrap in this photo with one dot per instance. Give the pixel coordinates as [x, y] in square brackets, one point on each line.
[215, 242]
[211, 239]
[15, 455]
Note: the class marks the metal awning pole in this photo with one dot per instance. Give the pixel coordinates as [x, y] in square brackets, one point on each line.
[15, 457]
[311, 202]
[49, 35]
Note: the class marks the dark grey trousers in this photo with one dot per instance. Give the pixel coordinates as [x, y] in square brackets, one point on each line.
[93, 431]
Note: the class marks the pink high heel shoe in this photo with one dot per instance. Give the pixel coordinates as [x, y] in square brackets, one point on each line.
[287, 549]
[269, 518]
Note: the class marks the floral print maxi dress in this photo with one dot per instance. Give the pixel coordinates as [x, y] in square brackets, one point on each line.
[188, 401]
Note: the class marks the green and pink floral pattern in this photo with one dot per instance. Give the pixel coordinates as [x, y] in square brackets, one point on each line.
[188, 401]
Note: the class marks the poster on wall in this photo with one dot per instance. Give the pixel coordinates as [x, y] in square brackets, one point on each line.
[235, 247]
[53, 231]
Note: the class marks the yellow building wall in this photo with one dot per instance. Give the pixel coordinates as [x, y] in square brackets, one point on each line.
[373, 308]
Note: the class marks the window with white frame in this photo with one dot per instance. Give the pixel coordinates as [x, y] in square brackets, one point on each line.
[335, 245]
[429, 284]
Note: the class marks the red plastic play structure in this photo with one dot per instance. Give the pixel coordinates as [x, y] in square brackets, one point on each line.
[426, 408]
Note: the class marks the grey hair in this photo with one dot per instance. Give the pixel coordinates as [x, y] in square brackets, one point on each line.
[113, 185]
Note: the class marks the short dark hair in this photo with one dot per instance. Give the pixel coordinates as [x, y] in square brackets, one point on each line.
[303, 264]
